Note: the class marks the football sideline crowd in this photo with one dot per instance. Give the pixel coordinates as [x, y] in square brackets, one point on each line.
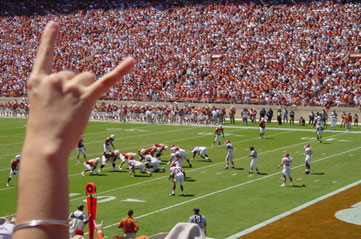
[190, 114]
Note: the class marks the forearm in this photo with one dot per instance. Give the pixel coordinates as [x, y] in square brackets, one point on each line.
[46, 167]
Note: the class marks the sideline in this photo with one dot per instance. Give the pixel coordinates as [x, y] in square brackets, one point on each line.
[296, 209]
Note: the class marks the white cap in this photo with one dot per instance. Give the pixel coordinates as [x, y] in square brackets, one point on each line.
[6, 228]
[186, 230]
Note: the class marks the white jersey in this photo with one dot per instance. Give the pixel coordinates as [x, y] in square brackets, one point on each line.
[178, 175]
[319, 129]
[229, 148]
[308, 151]
[200, 150]
[287, 162]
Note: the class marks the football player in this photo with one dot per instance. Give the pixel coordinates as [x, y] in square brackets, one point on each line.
[177, 176]
[319, 132]
[159, 149]
[230, 154]
[286, 163]
[90, 165]
[202, 151]
[14, 168]
[108, 143]
[142, 152]
[181, 154]
[134, 164]
[218, 132]
[152, 162]
[80, 149]
[308, 154]
[254, 161]
[262, 127]
[126, 156]
[109, 157]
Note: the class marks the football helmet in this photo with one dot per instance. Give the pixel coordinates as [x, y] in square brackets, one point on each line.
[112, 136]
[165, 148]
[117, 153]
[97, 159]
[18, 157]
[287, 155]
[220, 126]
[307, 145]
[228, 141]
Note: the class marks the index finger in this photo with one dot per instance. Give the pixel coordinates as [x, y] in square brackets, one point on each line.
[110, 79]
[44, 57]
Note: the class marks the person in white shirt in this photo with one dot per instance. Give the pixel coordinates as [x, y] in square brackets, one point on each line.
[230, 154]
[177, 176]
[134, 164]
[286, 163]
[308, 153]
[319, 132]
[254, 161]
[202, 151]
[333, 120]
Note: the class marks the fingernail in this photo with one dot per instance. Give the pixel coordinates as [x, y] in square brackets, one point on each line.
[52, 25]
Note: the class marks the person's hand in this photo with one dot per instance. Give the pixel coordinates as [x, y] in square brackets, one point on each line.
[62, 102]
[98, 227]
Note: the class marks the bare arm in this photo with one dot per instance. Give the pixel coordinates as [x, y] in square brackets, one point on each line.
[60, 107]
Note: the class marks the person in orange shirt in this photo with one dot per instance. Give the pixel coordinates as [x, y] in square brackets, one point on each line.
[129, 225]
[218, 132]
[90, 165]
[14, 168]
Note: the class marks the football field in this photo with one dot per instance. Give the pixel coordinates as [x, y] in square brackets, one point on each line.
[232, 200]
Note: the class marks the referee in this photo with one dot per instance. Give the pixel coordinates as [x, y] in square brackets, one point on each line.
[199, 219]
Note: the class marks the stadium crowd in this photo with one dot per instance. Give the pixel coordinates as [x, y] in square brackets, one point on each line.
[192, 51]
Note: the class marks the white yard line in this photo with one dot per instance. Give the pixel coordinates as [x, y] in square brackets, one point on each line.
[242, 184]
[285, 214]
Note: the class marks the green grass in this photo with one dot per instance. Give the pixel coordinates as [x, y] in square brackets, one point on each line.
[232, 200]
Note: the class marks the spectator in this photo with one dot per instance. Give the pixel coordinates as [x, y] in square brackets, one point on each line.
[302, 121]
[77, 220]
[129, 226]
[199, 219]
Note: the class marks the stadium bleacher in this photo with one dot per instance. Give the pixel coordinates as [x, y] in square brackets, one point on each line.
[266, 52]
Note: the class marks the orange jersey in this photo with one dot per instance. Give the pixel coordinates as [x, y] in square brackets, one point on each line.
[128, 155]
[161, 146]
[91, 162]
[219, 131]
[150, 150]
[14, 164]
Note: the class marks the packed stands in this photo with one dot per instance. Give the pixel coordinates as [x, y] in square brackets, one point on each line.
[262, 52]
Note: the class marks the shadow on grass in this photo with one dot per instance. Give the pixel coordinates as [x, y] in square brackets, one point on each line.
[262, 173]
[188, 195]
[318, 173]
[238, 168]
[189, 179]
[299, 186]
[99, 174]
[142, 176]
